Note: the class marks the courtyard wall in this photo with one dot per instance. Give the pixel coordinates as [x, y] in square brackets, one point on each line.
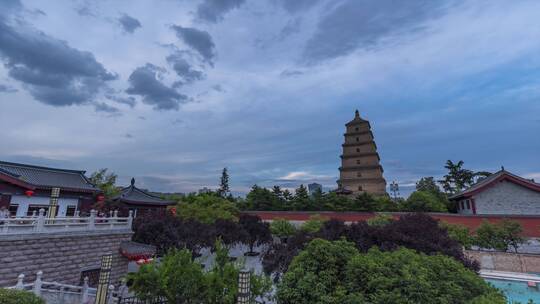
[62, 256]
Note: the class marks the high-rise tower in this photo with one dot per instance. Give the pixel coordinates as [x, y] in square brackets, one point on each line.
[360, 169]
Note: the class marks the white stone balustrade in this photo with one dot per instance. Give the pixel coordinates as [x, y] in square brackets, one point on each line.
[41, 224]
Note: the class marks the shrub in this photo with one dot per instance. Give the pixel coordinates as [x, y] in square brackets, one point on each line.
[423, 201]
[181, 280]
[500, 236]
[12, 296]
[282, 228]
[380, 219]
[459, 233]
[314, 224]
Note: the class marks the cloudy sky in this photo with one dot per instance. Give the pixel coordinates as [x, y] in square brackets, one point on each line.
[172, 91]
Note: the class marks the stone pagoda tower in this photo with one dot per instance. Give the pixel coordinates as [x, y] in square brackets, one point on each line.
[360, 169]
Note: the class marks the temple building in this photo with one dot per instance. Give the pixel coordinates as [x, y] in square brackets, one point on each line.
[360, 171]
[24, 189]
[140, 201]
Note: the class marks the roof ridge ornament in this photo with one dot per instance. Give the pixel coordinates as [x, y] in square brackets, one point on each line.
[132, 181]
[356, 114]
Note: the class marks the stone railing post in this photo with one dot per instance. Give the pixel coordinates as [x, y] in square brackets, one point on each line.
[92, 220]
[37, 283]
[34, 213]
[62, 295]
[40, 222]
[20, 282]
[78, 213]
[130, 219]
[84, 298]
[110, 295]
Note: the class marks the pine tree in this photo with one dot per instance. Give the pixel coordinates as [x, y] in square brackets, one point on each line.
[224, 185]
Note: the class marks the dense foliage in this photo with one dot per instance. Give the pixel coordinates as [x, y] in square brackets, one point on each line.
[256, 233]
[417, 231]
[282, 228]
[12, 296]
[500, 236]
[206, 208]
[180, 279]
[336, 272]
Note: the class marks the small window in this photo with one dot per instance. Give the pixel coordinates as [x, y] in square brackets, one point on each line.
[13, 210]
[356, 129]
[358, 139]
[70, 211]
[360, 188]
[358, 162]
[358, 174]
[357, 149]
[36, 208]
[93, 277]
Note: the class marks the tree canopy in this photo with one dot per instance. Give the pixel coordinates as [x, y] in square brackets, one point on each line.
[336, 272]
[206, 208]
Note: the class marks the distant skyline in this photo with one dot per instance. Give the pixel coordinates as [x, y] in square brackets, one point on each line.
[172, 91]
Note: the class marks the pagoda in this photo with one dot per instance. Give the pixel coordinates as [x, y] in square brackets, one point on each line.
[360, 171]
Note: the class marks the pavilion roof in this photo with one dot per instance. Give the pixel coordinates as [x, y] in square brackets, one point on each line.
[134, 195]
[45, 177]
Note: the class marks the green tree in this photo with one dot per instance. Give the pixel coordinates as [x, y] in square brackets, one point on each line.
[459, 233]
[206, 208]
[106, 182]
[12, 296]
[335, 272]
[457, 178]
[301, 199]
[380, 219]
[427, 184]
[260, 198]
[422, 201]
[224, 183]
[314, 224]
[316, 274]
[405, 276]
[181, 280]
[282, 228]
[500, 236]
[365, 202]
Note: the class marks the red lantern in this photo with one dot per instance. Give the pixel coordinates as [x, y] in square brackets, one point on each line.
[101, 198]
[29, 193]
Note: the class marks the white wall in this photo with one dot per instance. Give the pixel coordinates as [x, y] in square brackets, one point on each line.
[507, 198]
[24, 201]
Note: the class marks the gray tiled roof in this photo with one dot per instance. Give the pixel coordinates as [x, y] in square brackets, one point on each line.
[133, 194]
[43, 177]
[481, 183]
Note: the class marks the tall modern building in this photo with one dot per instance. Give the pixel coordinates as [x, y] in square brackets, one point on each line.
[360, 169]
[313, 187]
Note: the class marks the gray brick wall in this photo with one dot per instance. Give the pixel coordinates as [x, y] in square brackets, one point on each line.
[507, 198]
[61, 256]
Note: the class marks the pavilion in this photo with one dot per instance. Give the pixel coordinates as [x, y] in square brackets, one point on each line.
[140, 201]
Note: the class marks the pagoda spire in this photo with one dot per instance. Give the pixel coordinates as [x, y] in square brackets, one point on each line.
[356, 114]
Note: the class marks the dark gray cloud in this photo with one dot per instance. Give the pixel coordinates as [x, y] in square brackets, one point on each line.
[8, 7]
[363, 24]
[128, 23]
[296, 6]
[145, 82]
[52, 71]
[103, 107]
[7, 89]
[129, 100]
[128, 135]
[184, 69]
[290, 73]
[213, 11]
[199, 40]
